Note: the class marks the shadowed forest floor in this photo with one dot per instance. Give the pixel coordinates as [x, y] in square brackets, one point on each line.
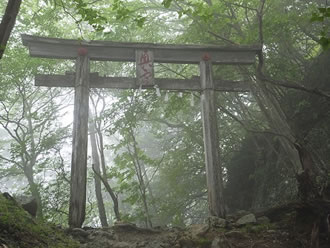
[278, 227]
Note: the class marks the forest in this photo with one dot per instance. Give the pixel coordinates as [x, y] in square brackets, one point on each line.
[146, 162]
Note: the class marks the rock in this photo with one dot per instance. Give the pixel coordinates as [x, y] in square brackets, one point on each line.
[28, 203]
[31, 207]
[101, 234]
[220, 243]
[217, 222]
[199, 230]
[263, 220]
[141, 244]
[216, 243]
[241, 213]
[246, 219]
[154, 244]
[231, 218]
[79, 232]
[121, 245]
[236, 235]
[186, 243]
[8, 196]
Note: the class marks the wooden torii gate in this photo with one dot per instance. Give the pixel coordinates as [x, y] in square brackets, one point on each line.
[144, 54]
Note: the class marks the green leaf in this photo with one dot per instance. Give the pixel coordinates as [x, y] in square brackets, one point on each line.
[167, 3]
[140, 21]
[325, 43]
[316, 18]
[322, 10]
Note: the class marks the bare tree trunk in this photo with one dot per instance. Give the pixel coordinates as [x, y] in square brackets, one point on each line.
[277, 120]
[28, 171]
[97, 181]
[269, 104]
[148, 187]
[103, 176]
[8, 22]
[140, 175]
[112, 194]
[29, 158]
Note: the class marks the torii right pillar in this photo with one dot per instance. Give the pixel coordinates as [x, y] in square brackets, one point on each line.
[211, 141]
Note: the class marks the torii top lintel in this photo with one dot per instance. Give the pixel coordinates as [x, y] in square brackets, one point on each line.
[125, 52]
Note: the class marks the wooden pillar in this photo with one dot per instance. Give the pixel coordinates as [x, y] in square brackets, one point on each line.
[211, 142]
[79, 143]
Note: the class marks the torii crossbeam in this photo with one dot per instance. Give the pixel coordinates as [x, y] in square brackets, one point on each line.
[82, 80]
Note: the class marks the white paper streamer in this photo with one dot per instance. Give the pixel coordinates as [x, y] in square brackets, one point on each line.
[180, 94]
[157, 90]
[166, 97]
[192, 102]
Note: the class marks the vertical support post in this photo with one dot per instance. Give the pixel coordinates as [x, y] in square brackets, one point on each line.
[79, 143]
[211, 141]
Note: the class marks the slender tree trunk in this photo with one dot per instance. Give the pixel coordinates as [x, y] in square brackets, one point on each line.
[140, 175]
[271, 109]
[97, 180]
[148, 187]
[112, 194]
[28, 171]
[270, 106]
[32, 159]
[8, 22]
[103, 176]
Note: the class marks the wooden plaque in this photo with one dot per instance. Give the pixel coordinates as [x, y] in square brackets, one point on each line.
[145, 67]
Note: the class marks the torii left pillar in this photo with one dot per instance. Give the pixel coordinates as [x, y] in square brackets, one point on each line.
[80, 139]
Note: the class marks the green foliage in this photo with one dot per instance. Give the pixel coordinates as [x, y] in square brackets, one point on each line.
[122, 12]
[90, 15]
[167, 3]
[322, 16]
[195, 8]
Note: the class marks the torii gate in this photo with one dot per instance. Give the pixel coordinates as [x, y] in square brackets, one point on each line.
[144, 54]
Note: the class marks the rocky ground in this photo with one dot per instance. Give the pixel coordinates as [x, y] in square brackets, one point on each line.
[279, 227]
[244, 231]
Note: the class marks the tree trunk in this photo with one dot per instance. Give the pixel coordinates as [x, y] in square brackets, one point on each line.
[277, 120]
[97, 181]
[103, 176]
[8, 22]
[140, 175]
[112, 194]
[28, 171]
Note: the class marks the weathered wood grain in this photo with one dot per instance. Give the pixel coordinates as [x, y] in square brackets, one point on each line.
[79, 144]
[96, 81]
[121, 51]
[211, 142]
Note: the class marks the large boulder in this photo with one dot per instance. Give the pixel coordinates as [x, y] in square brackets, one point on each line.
[246, 219]
[28, 203]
